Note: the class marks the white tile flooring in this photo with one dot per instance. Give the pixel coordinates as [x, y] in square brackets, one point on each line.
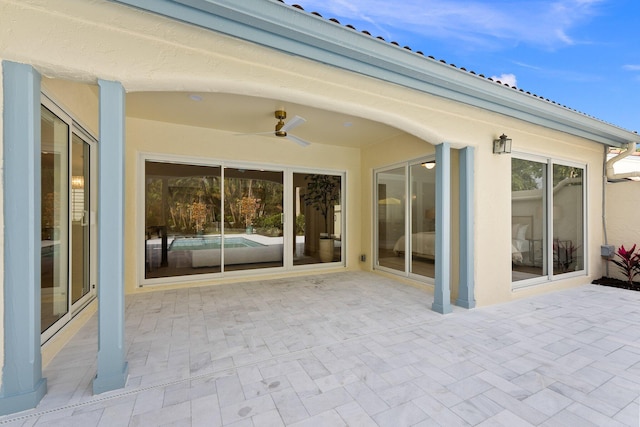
[356, 349]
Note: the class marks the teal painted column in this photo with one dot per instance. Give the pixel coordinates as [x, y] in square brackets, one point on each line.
[442, 291]
[22, 384]
[466, 296]
[112, 367]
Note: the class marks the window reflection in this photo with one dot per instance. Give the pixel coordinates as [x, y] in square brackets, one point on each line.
[54, 218]
[318, 227]
[414, 255]
[535, 210]
[201, 219]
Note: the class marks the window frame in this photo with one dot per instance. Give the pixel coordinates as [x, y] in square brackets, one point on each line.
[77, 128]
[286, 170]
[550, 162]
[408, 217]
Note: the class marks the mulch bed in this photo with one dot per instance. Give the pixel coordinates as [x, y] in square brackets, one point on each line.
[617, 283]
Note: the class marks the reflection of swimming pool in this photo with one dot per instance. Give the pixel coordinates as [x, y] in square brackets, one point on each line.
[211, 242]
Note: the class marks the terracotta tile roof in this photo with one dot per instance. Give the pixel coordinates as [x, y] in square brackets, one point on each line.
[417, 52]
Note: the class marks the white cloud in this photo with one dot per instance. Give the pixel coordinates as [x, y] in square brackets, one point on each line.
[631, 67]
[509, 79]
[484, 23]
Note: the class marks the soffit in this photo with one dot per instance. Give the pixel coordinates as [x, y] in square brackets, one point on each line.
[238, 114]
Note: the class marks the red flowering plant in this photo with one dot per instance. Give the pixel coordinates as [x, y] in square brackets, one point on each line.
[628, 262]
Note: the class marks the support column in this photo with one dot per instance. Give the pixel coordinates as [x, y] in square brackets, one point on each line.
[442, 292]
[112, 367]
[466, 296]
[22, 384]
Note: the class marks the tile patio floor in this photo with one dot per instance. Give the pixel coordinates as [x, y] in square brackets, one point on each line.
[356, 349]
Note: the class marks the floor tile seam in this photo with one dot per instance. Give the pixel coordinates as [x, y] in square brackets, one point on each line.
[138, 390]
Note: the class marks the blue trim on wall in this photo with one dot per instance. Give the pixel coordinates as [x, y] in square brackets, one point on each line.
[112, 369]
[442, 291]
[466, 297]
[22, 384]
[290, 30]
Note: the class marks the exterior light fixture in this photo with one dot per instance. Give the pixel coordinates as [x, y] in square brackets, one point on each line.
[502, 145]
[429, 165]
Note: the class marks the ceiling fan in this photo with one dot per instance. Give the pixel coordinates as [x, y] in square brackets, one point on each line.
[282, 129]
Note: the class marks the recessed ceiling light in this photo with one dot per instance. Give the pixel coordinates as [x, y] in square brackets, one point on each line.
[194, 97]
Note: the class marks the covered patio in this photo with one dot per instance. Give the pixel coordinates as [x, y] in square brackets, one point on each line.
[355, 348]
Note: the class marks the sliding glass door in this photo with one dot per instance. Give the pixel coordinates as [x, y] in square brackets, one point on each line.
[67, 230]
[253, 207]
[317, 209]
[203, 219]
[55, 218]
[547, 219]
[392, 218]
[405, 206]
[214, 219]
[80, 218]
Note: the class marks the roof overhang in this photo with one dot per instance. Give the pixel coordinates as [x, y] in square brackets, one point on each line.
[271, 23]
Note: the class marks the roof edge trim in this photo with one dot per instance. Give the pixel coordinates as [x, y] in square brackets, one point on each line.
[276, 25]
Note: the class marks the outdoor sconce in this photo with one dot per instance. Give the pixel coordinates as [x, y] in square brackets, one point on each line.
[429, 165]
[502, 145]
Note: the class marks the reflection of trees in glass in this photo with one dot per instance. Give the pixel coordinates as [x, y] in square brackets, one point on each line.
[526, 175]
[190, 203]
[248, 208]
[199, 215]
[561, 172]
[322, 193]
[154, 202]
[254, 202]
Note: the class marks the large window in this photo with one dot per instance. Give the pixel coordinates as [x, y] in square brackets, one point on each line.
[212, 219]
[548, 217]
[399, 216]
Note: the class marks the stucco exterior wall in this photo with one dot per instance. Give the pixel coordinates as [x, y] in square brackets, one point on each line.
[493, 216]
[623, 227]
[1, 219]
[79, 100]
[150, 53]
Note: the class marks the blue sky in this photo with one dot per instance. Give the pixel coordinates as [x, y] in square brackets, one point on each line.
[584, 54]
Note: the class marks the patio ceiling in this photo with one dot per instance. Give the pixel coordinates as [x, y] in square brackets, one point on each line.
[239, 114]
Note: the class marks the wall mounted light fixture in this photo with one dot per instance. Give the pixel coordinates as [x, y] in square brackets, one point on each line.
[502, 145]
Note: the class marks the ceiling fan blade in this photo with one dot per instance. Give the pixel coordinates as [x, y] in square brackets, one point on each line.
[296, 121]
[301, 142]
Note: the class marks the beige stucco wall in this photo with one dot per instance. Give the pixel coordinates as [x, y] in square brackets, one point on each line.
[623, 226]
[169, 56]
[1, 219]
[493, 215]
[470, 126]
[79, 100]
[83, 41]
